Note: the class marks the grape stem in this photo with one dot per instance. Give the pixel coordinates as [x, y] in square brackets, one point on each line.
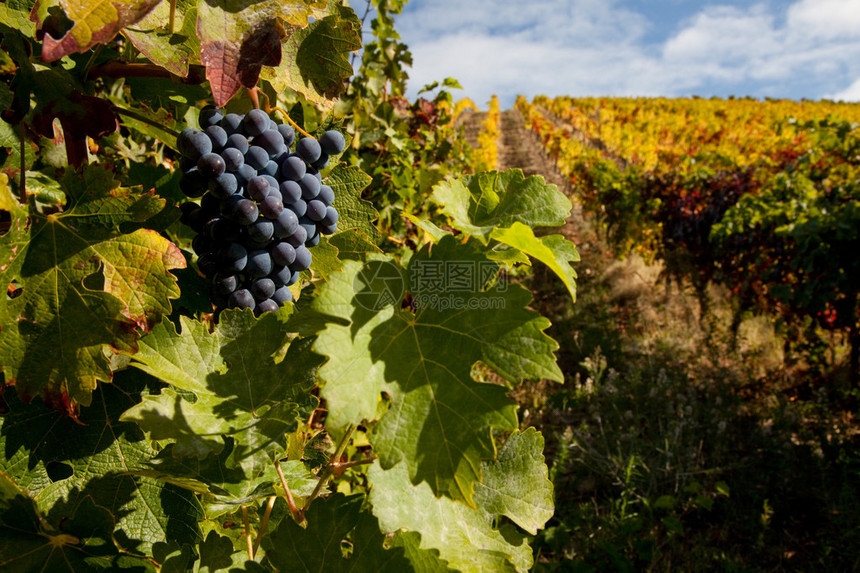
[264, 523]
[297, 515]
[291, 122]
[328, 470]
[136, 116]
[22, 190]
[247, 533]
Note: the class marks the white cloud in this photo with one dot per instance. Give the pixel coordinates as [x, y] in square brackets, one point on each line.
[598, 47]
[851, 93]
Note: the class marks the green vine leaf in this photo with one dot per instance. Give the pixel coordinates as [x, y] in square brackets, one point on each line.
[355, 213]
[85, 287]
[515, 486]
[62, 464]
[440, 419]
[93, 22]
[554, 251]
[237, 383]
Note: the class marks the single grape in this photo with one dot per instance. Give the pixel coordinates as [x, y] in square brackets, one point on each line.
[241, 298]
[288, 133]
[264, 306]
[197, 220]
[273, 183]
[315, 172]
[331, 216]
[231, 123]
[218, 137]
[187, 209]
[238, 141]
[259, 263]
[298, 238]
[233, 159]
[225, 283]
[234, 258]
[272, 168]
[210, 115]
[245, 212]
[271, 207]
[286, 224]
[192, 143]
[283, 254]
[224, 185]
[263, 288]
[282, 295]
[293, 168]
[303, 259]
[211, 165]
[255, 122]
[310, 187]
[193, 183]
[258, 188]
[299, 208]
[244, 175]
[202, 244]
[316, 210]
[290, 192]
[256, 157]
[327, 229]
[272, 141]
[321, 163]
[309, 226]
[261, 231]
[308, 149]
[207, 263]
[224, 231]
[326, 195]
[313, 241]
[332, 142]
[281, 275]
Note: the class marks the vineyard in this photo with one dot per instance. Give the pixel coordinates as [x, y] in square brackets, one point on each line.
[262, 312]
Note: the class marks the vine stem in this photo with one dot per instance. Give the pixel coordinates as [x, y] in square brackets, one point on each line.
[248, 533]
[297, 515]
[293, 123]
[172, 15]
[136, 116]
[22, 191]
[329, 469]
[263, 524]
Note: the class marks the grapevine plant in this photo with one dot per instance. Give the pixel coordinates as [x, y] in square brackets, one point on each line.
[358, 420]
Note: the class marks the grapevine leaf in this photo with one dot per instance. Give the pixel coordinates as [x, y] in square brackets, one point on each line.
[432, 230]
[316, 59]
[94, 22]
[238, 387]
[318, 546]
[16, 15]
[172, 51]
[478, 204]
[515, 485]
[98, 457]
[440, 418]
[421, 560]
[355, 213]
[553, 250]
[80, 293]
[353, 245]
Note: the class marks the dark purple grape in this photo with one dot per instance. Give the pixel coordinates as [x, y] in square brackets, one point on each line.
[309, 226]
[224, 283]
[271, 168]
[244, 175]
[258, 188]
[298, 238]
[233, 257]
[259, 263]
[218, 136]
[245, 212]
[316, 210]
[321, 163]
[211, 204]
[328, 229]
[290, 192]
[313, 241]
[332, 142]
[241, 298]
[293, 168]
[192, 143]
[202, 244]
[281, 275]
[264, 306]
[288, 133]
[326, 195]
[186, 164]
[331, 216]
[193, 183]
[211, 165]
[273, 183]
[282, 295]
[308, 149]
[207, 263]
[299, 208]
[272, 141]
[261, 231]
[210, 115]
[224, 185]
[286, 224]
[303, 259]
[315, 172]
[238, 141]
[187, 209]
[231, 123]
[224, 231]
[256, 157]
[263, 288]
[255, 122]
[310, 187]
[271, 207]
[197, 220]
[283, 254]
[233, 159]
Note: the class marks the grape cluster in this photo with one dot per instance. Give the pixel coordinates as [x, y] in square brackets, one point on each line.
[262, 206]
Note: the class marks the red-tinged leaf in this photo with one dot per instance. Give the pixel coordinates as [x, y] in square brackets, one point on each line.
[81, 116]
[93, 22]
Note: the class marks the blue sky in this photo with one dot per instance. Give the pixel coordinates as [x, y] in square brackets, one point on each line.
[771, 48]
